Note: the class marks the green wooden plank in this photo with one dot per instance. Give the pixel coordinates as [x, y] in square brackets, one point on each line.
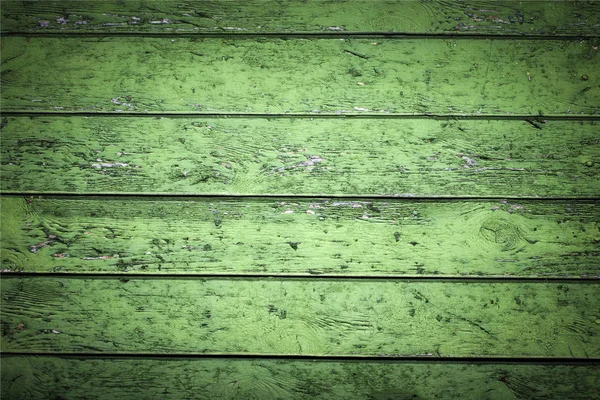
[302, 237]
[26, 377]
[305, 16]
[300, 317]
[299, 76]
[300, 156]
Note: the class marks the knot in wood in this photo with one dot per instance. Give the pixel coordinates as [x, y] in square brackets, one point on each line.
[501, 231]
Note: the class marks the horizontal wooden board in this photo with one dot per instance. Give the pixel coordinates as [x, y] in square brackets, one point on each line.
[342, 237]
[302, 16]
[26, 377]
[299, 76]
[300, 156]
[300, 317]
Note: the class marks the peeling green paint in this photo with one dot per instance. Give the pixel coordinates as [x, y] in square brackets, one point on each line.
[327, 317]
[304, 16]
[300, 156]
[208, 378]
[342, 237]
[407, 282]
[300, 76]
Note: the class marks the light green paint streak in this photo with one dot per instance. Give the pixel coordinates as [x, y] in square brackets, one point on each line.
[574, 18]
[300, 76]
[342, 237]
[210, 379]
[300, 316]
[281, 156]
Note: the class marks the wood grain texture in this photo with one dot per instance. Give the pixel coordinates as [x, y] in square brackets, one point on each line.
[27, 377]
[300, 316]
[340, 237]
[573, 18]
[300, 156]
[94, 310]
[300, 76]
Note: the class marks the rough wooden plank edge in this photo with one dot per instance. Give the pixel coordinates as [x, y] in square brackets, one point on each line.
[216, 196]
[584, 280]
[471, 17]
[529, 118]
[305, 36]
[538, 361]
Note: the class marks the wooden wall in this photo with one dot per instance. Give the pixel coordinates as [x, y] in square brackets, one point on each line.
[300, 199]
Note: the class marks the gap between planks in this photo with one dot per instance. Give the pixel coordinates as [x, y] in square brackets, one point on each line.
[323, 358]
[320, 35]
[283, 196]
[531, 118]
[125, 277]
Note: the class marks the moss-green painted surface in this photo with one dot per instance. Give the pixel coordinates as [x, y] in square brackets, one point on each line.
[76, 378]
[320, 156]
[76, 335]
[301, 76]
[572, 18]
[344, 237]
[300, 317]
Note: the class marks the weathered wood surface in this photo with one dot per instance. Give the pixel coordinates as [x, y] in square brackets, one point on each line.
[320, 75]
[342, 237]
[300, 316]
[300, 156]
[570, 18]
[300, 76]
[27, 377]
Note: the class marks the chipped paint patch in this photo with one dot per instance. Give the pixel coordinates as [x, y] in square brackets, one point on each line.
[109, 165]
[161, 22]
[308, 165]
[100, 257]
[353, 204]
[469, 162]
[51, 239]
